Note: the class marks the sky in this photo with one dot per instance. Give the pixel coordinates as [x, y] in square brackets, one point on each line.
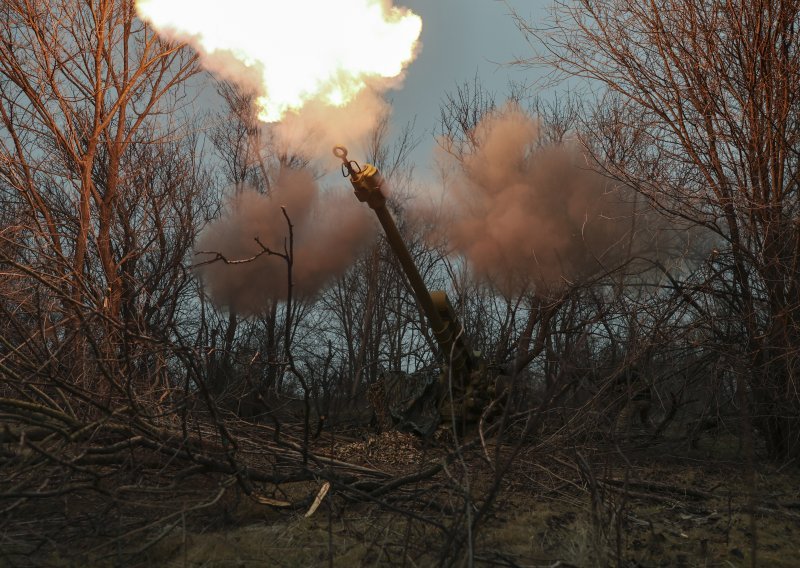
[460, 39]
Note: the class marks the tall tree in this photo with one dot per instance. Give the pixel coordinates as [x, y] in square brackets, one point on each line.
[102, 170]
[78, 80]
[706, 123]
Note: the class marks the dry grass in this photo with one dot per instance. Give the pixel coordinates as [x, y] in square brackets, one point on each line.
[537, 521]
[645, 506]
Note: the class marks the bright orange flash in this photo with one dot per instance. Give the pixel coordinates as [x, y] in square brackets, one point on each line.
[301, 50]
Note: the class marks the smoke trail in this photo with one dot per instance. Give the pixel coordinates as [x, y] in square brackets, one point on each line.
[531, 215]
[329, 232]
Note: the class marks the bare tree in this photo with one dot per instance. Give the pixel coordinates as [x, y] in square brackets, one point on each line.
[84, 89]
[706, 126]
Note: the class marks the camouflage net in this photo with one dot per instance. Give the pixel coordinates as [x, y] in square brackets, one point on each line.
[386, 448]
[407, 402]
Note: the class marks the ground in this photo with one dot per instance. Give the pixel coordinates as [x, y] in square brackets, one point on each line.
[402, 501]
[645, 508]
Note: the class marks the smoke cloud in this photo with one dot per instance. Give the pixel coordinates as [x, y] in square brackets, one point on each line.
[329, 232]
[316, 129]
[318, 83]
[528, 215]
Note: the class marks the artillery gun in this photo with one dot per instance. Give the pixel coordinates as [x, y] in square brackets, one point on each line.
[464, 386]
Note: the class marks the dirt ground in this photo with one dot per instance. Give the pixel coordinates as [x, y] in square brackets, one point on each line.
[647, 507]
[641, 505]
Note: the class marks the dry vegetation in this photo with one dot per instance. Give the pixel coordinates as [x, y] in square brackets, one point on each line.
[651, 414]
[395, 499]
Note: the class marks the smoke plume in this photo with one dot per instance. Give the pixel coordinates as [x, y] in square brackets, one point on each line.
[329, 232]
[317, 68]
[530, 215]
[316, 129]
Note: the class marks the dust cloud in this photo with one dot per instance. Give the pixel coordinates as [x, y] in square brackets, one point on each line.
[528, 215]
[329, 232]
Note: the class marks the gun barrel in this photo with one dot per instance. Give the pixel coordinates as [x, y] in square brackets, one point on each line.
[367, 184]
